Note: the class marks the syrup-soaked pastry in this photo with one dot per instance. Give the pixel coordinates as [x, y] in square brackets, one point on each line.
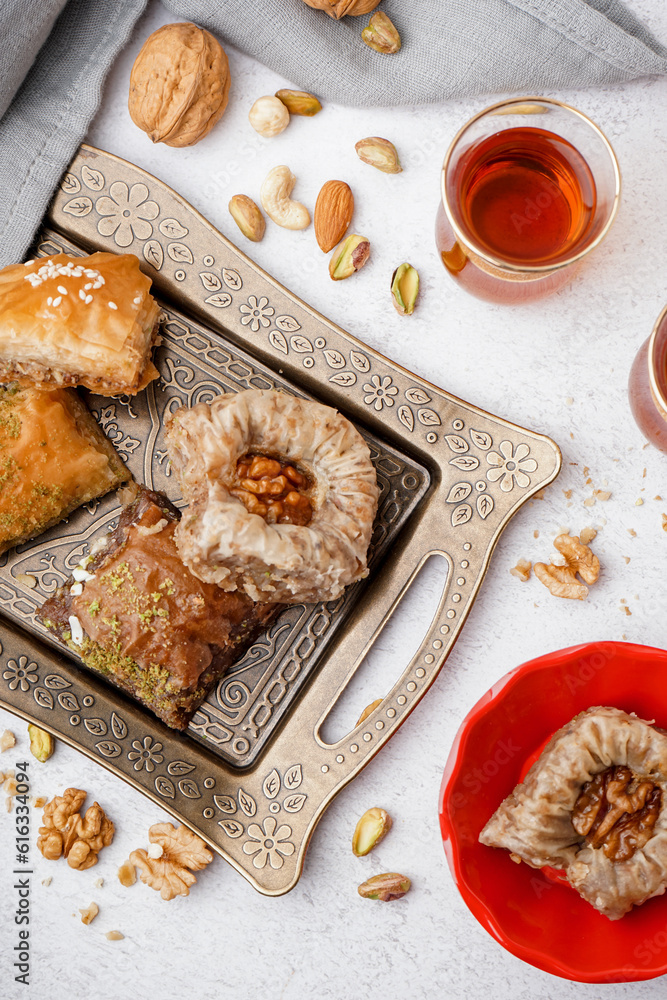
[137, 615]
[53, 458]
[595, 805]
[67, 321]
[231, 534]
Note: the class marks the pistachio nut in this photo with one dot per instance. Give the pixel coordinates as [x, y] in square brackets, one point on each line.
[349, 256]
[299, 102]
[386, 887]
[247, 217]
[368, 710]
[42, 743]
[373, 826]
[381, 34]
[379, 153]
[405, 289]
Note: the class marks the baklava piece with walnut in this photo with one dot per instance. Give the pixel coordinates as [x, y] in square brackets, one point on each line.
[282, 495]
[593, 805]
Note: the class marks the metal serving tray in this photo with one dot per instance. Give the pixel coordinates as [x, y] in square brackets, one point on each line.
[253, 774]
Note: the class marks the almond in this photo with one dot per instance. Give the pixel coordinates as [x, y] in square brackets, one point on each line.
[333, 214]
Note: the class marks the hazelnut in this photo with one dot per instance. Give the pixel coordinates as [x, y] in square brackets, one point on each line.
[269, 116]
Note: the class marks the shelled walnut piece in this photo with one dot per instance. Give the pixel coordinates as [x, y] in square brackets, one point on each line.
[617, 812]
[89, 913]
[66, 833]
[127, 876]
[275, 490]
[522, 570]
[10, 789]
[7, 740]
[561, 581]
[183, 852]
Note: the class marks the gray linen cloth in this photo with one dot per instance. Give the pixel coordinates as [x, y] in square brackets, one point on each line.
[56, 53]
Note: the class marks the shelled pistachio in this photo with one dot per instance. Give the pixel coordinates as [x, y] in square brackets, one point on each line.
[405, 289]
[299, 102]
[42, 743]
[373, 826]
[390, 885]
[349, 256]
[379, 153]
[381, 34]
[247, 217]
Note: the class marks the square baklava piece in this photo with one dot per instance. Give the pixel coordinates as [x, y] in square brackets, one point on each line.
[53, 458]
[69, 321]
[136, 614]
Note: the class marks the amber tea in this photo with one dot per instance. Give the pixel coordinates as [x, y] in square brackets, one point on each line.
[521, 202]
[526, 195]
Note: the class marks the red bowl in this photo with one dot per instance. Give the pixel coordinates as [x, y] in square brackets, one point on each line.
[533, 915]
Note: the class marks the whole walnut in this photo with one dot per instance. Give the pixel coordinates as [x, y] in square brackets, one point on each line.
[339, 8]
[179, 85]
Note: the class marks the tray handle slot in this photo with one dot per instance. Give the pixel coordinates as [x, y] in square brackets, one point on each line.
[384, 682]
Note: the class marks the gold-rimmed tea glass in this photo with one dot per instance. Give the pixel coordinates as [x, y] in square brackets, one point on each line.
[480, 268]
[647, 386]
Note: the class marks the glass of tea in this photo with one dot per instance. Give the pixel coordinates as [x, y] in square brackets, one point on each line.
[529, 187]
[648, 385]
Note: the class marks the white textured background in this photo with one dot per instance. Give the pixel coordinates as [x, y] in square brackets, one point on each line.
[560, 367]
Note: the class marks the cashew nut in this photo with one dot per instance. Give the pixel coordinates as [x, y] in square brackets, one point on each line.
[269, 116]
[276, 202]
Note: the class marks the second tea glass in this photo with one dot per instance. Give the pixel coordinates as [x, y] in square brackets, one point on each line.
[648, 385]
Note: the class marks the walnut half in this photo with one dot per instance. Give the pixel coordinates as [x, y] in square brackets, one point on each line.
[617, 812]
[66, 832]
[561, 581]
[183, 853]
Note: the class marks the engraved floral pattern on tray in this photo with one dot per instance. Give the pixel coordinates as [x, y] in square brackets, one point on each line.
[194, 367]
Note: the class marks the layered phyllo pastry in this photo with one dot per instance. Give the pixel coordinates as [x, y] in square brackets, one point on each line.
[68, 321]
[282, 496]
[594, 805]
[134, 613]
[53, 458]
